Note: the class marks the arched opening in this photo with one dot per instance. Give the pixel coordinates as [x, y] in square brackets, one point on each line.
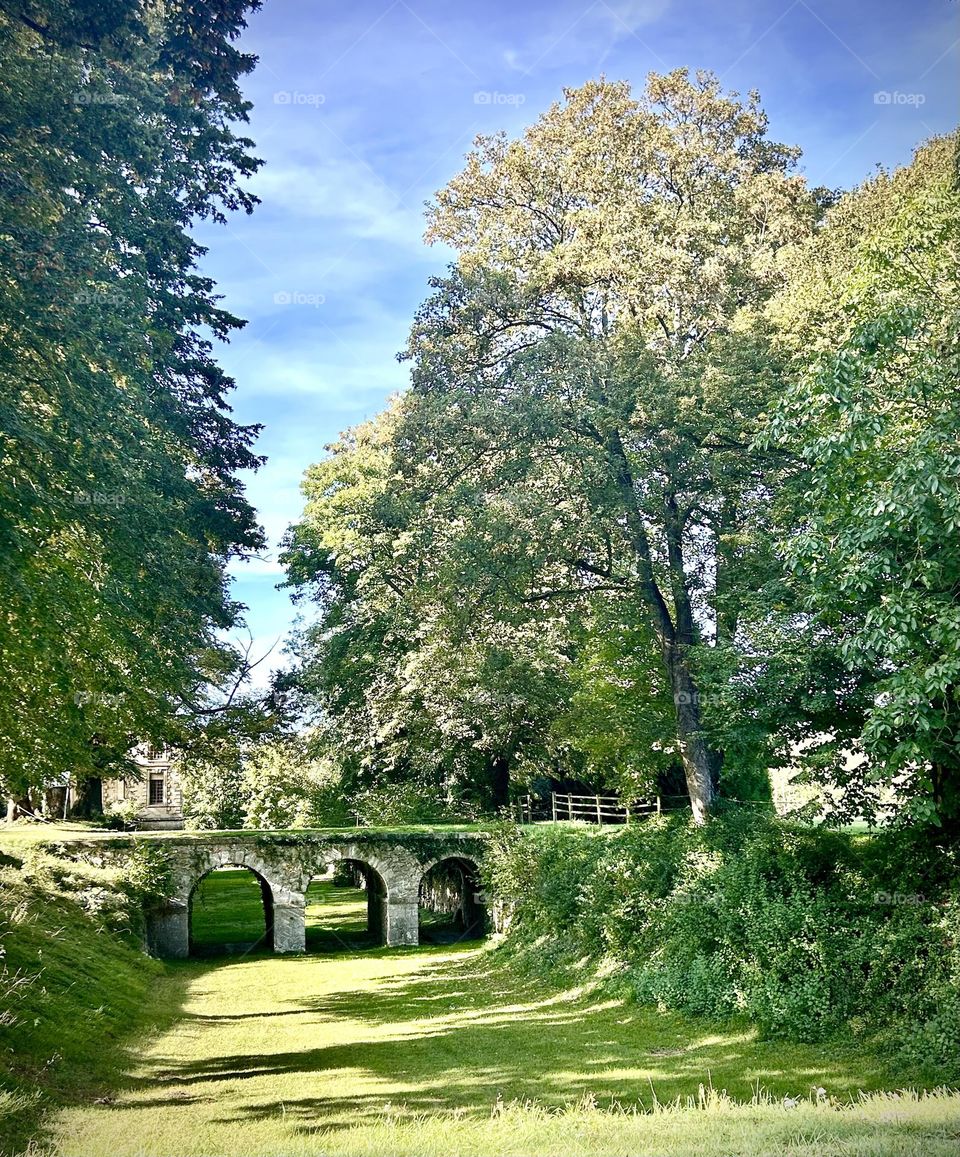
[230, 913]
[451, 905]
[346, 908]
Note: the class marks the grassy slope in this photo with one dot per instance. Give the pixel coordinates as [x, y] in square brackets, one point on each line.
[394, 1052]
[69, 995]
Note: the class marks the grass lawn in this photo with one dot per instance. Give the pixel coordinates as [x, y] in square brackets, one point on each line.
[433, 1051]
[444, 1050]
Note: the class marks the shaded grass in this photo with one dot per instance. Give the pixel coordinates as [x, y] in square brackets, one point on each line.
[423, 1051]
[71, 995]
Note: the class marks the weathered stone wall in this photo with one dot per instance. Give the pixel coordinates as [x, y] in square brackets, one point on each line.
[394, 867]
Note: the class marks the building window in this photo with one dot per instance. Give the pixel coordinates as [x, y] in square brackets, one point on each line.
[156, 789]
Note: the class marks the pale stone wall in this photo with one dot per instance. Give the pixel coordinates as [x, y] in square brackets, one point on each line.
[136, 793]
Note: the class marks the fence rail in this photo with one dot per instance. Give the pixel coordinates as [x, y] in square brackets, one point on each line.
[591, 809]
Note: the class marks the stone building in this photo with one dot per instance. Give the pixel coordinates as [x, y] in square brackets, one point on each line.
[155, 798]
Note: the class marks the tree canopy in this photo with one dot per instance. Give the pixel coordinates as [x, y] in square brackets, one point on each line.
[672, 483]
[120, 498]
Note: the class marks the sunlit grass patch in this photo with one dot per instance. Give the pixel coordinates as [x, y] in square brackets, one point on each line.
[709, 1125]
[446, 1050]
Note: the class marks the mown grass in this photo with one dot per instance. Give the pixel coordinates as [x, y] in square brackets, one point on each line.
[71, 995]
[447, 1050]
[430, 1051]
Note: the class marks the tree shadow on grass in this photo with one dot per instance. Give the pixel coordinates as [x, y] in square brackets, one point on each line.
[70, 1083]
[458, 1036]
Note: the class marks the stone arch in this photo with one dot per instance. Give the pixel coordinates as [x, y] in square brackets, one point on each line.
[367, 875]
[451, 883]
[289, 862]
[266, 895]
[168, 924]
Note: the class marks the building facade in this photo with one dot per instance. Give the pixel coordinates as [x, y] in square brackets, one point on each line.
[155, 798]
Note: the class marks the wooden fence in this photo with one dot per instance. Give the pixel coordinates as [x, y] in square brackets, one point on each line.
[591, 809]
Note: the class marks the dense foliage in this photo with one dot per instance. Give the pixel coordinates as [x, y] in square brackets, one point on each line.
[873, 315]
[673, 497]
[809, 932]
[120, 503]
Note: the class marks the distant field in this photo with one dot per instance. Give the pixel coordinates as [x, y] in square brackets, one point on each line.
[34, 833]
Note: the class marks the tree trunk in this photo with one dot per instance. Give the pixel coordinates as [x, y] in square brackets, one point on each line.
[695, 753]
[946, 796]
[676, 632]
[55, 803]
[16, 808]
[89, 798]
[500, 782]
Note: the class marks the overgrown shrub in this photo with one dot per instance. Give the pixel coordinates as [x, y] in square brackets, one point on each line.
[810, 933]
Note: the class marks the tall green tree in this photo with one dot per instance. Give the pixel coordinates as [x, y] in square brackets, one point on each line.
[120, 499]
[871, 317]
[405, 685]
[590, 376]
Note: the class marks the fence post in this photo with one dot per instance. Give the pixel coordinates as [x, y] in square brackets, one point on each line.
[569, 807]
[658, 805]
[599, 820]
[628, 813]
[553, 805]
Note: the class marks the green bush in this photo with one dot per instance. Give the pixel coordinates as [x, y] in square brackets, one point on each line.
[810, 933]
[387, 805]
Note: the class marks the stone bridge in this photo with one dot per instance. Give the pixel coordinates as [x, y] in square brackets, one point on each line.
[393, 866]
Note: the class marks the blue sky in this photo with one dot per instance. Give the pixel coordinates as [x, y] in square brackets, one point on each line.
[361, 112]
